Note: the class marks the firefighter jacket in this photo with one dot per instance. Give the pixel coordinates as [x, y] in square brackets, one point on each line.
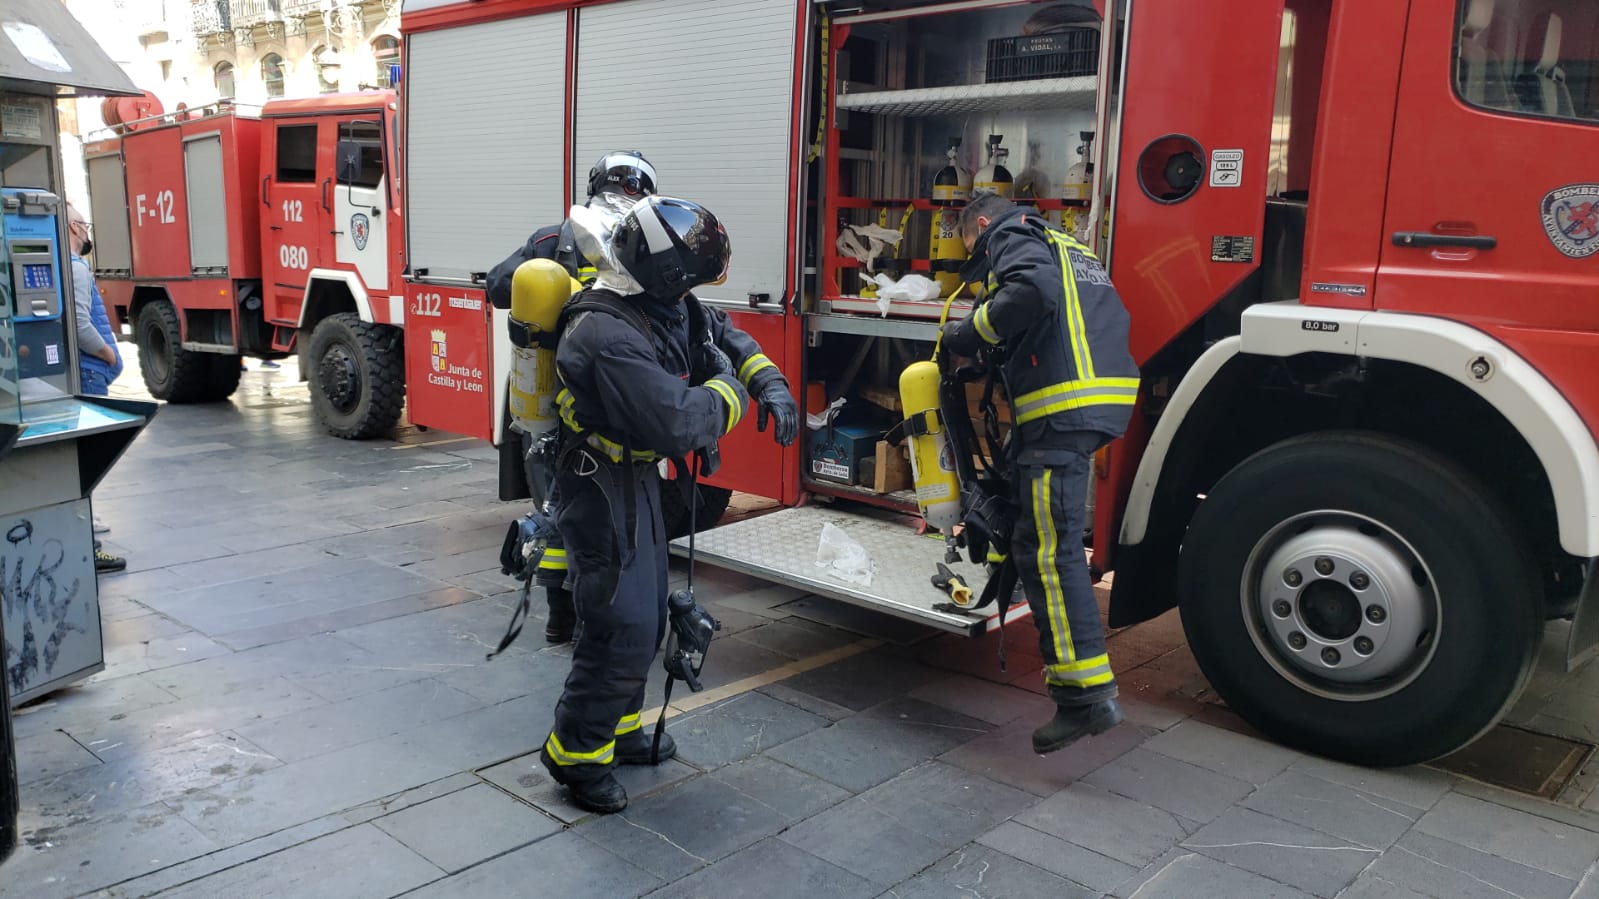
[1061, 329]
[629, 382]
[554, 242]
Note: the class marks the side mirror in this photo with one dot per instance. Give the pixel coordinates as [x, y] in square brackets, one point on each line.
[347, 168]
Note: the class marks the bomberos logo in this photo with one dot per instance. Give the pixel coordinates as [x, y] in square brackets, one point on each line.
[1571, 219]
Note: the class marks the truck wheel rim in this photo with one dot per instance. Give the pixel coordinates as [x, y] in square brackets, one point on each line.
[1341, 605]
[341, 378]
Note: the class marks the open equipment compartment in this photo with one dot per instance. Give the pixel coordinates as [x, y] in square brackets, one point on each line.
[902, 87]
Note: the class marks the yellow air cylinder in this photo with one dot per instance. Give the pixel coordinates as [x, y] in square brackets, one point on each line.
[932, 458]
[539, 288]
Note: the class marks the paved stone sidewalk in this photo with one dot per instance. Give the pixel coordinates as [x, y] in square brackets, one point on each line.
[297, 704]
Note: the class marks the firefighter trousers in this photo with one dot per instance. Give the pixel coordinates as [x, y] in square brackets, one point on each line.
[1048, 549]
[620, 595]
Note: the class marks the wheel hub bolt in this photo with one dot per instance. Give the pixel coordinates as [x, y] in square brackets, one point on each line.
[1324, 566]
[1293, 578]
[1281, 608]
[1296, 640]
[1359, 580]
[1376, 614]
[1330, 656]
[1363, 645]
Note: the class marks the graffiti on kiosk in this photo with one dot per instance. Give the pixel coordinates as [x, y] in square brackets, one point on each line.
[441, 373]
[31, 594]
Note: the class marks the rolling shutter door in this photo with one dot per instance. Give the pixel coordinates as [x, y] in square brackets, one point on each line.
[485, 106]
[108, 203]
[704, 89]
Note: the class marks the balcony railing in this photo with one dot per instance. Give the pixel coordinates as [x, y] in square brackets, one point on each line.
[211, 16]
[255, 12]
[297, 8]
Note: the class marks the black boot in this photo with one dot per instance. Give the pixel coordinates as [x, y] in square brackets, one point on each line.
[563, 615]
[602, 795]
[634, 748]
[1073, 722]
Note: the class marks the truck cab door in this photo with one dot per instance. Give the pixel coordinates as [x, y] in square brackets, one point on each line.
[298, 200]
[359, 199]
[1492, 216]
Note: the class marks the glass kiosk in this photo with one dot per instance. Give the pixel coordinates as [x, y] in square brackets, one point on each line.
[55, 445]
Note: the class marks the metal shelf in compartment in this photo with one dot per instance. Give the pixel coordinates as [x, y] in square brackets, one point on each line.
[1075, 93]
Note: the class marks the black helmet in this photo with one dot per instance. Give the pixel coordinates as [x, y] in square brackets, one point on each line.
[622, 171]
[672, 246]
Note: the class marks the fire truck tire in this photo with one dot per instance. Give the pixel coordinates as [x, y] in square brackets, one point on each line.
[173, 373]
[713, 504]
[357, 376]
[1360, 597]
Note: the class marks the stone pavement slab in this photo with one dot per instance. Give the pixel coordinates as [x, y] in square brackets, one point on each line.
[458, 830]
[677, 830]
[1249, 759]
[1436, 867]
[50, 754]
[738, 728]
[788, 791]
[313, 732]
[863, 751]
[358, 863]
[1084, 867]
[1113, 826]
[1360, 818]
[771, 869]
[978, 870]
[1185, 790]
[563, 865]
[1006, 755]
[1530, 840]
[59, 860]
[1193, 876]
[1312, 861]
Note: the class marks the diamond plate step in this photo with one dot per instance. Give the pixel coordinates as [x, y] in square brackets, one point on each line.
[781, 547]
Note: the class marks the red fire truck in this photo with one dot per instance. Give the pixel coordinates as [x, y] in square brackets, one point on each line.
[1358, 240]
[220, 232]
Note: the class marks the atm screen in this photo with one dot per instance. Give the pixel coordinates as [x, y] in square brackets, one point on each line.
[38, 276]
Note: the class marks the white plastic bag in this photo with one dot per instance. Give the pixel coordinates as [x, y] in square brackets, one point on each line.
[910, 287]
[816, 421]
[842, 556]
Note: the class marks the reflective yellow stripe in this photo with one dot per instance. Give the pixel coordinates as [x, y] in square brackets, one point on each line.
[1069, 395]
[752, 365]
[602, 756]
[1090, 672]
[586, 274]
[610, 448]
[1054, 596]
[554, 559]
[985, 329]
[735, 409]
[628, 724]
[1076, 331]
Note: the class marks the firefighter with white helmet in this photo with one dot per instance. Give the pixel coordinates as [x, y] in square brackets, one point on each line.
[642, 382]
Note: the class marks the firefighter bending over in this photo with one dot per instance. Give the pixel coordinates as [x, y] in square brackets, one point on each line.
[1062, 331]
[644, 380]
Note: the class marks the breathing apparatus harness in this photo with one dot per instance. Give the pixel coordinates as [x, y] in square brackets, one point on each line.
[984, 471]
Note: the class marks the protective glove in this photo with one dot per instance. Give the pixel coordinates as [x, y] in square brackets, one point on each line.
[715, 361]
[778, 404]
[961, 337]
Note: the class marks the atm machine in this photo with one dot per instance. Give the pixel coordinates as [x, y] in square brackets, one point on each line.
[55, 445]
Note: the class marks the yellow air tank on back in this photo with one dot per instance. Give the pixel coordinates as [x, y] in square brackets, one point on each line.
[932, 457]
[951, 188]
[539, 288]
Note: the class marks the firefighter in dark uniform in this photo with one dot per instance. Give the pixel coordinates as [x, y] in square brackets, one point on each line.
[1062, 332]
[643, 380]
[616, 180]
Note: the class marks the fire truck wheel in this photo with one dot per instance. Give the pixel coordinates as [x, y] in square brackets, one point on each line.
[674, 511]
[173, 373]
[1360, 597]
[357, 376]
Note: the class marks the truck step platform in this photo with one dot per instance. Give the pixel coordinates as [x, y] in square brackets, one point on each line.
[781, 547]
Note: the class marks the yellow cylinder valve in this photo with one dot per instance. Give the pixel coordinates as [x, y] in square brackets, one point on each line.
[539, 290]
[932, 457]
